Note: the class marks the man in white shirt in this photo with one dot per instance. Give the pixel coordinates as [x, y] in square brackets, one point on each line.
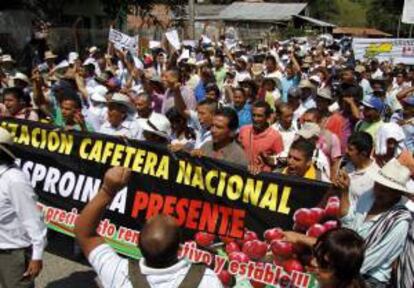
[22, 231]
[120, 120]
[359, 168]
[159, 243]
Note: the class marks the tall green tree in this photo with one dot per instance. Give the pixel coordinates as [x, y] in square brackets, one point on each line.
[385, 14]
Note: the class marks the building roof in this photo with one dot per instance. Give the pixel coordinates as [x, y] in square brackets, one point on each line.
[204, 12]
[314, 21]
[264, 12]
[360, 31]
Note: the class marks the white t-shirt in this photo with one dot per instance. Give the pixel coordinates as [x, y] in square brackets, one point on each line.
[113, 271]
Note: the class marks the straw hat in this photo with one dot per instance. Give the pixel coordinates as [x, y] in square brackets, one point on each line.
[50, 55]
[7, 58]
[122, 99]
[157, 124]
[394, 175]
[22, 77]
[6, 141]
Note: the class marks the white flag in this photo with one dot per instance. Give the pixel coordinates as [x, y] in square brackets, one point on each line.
[408, 12]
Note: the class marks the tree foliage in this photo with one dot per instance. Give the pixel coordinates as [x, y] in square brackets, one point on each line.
[385, 14]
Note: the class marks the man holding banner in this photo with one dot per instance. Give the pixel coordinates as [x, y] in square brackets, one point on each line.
[159, 243]
[22, 231]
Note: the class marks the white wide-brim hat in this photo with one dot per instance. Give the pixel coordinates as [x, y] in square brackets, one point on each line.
[394, 175]
[122, 99]
[6, 140]
[157, 124]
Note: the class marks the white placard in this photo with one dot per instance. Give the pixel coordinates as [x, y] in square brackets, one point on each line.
[408, 12]
[122, 40]
[391, 49]
[154, 44]
[172, 37]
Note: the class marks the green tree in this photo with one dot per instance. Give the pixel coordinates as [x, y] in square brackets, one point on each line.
[326, 10]
[385, 14]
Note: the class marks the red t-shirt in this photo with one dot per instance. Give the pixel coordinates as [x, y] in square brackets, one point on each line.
[268, 142]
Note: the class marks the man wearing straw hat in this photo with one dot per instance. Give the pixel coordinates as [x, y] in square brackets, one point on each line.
[22, 231]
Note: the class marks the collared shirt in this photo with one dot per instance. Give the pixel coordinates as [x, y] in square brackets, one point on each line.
[288, 83]
[202, 135]
[408, 129]
[245, 115]
[21, 223]
[269, 142]
[288, 136]
[232, 153]
[25, 113]
[388, 250]
[370, 128]
[113, 271]
[188, 97]
[128, 128]
[361, 184]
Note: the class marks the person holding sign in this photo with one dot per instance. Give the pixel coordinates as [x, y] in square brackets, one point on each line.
[159, 243]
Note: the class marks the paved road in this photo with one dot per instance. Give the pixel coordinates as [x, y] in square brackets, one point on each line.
[62, 269]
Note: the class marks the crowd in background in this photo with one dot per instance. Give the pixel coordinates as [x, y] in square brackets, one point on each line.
[294, 107]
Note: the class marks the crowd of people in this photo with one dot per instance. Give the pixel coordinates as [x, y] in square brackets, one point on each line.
[301, 108]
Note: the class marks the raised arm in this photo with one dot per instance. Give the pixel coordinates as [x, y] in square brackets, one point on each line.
[85, 227]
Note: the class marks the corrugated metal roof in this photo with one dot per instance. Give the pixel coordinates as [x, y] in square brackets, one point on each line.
[204, 12]
[315, 21]
[358, 31]
[261, 11]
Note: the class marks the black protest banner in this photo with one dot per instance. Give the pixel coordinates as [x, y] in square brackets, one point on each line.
[66, 169]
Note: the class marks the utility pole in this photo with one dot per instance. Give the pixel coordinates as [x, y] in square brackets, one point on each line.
[191, 12]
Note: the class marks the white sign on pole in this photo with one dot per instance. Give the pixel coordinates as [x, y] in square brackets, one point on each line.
[408, 12]
[122, 40]
[172, 37]
[385, 49]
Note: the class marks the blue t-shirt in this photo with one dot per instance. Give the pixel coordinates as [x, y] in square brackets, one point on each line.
[245, 115]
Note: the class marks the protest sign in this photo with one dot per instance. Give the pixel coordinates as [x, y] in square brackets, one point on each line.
[173, 39]
[66, 169]
[408, 12]
[392, 49]
[122, 40]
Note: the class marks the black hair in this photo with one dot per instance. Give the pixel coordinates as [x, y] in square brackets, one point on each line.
[315, 112]
[271, 58]
[221, 57]
[71, 95]
[305, 146]
[212, 104]
[342, 251]
[16, 92]
[362, 141]
[240, 90]
[213, 87]
[231, 115]
[175, 117]
[263, 104]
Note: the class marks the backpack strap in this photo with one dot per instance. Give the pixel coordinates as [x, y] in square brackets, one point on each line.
[135, 276]
[191, 280]
[194, 276]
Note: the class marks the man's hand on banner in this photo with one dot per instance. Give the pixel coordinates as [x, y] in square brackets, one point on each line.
[255, 169]
[197, 153]
[115, 179]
